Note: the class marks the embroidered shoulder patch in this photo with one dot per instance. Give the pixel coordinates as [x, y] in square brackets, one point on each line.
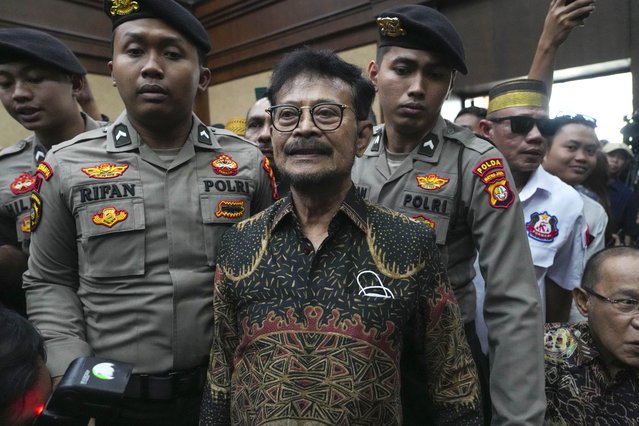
[486, 166]
[492, 174]
[224, 165]
[109, 216]
[431, 181]
[230, 209]
[36, 211]
[423, 219]
[45, 170]
[23, 184]
[105, 170]
[542, 227]
[266, 165]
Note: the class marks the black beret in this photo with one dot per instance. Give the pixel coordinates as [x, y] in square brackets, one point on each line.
[169, 11]
[421, 27]
[39, 47]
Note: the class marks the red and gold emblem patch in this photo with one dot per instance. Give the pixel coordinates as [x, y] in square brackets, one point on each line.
[431, 181]
[109, 216]
[224, 165]
[25, 225]
[266, 165]
[105, 170]
[230, 209]
[423, 219]
[501, 196]
[23, 184]
[45, 170]
[492, 174]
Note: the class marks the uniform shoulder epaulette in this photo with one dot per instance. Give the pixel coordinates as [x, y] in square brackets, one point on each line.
[16, 148]
[224, 132]
[82, 137]
[470, 140]
[401, 246]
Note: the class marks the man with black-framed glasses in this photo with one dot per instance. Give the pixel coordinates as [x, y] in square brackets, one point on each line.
[517, 123]
[325, 304]
[592, 368]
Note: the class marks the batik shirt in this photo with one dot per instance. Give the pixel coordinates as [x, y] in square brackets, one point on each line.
[579, 388]
[331, 336]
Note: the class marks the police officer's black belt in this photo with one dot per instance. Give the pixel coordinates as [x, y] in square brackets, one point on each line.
[166, 386]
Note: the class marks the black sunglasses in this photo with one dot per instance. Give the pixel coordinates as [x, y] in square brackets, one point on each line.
[523, 124]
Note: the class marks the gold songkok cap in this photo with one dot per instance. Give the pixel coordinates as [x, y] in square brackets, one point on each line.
[518, 93]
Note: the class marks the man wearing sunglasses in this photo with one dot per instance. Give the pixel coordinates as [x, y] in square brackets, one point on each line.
[444, 176]
[592, 368]
[517, 122]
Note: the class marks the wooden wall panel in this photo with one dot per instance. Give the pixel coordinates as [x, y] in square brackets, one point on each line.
[249, 36]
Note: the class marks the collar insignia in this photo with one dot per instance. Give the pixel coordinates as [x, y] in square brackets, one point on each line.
[230, 209]
[224, 165]
[390, 27]
[109, 216]
[431, 181]
[123, 7]
[203, 135]
[22, 184]
[121, 136]
[105, 170]
[428, 146]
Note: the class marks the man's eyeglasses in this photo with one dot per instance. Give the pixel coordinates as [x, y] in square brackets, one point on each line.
[326, 116]
[624, 306]
[564, 118]
[523, 124]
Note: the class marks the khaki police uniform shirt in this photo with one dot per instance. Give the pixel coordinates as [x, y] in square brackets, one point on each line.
[461, 185]
[124, 245]
[17, 177]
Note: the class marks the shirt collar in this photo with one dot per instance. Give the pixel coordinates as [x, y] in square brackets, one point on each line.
[122, 136]
[353, 207]
[539, 180]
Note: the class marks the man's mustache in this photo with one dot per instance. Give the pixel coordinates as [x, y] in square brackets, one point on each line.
[307, 146]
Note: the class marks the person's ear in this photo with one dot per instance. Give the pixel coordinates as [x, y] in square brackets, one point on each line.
[451, 84]
[364, 135]
[373, 72]
[486, 128]
[581, 300]
[77, 83]
[205, 78]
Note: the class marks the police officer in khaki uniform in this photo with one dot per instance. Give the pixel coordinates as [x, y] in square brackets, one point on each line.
[126, 221]
[441, 174]
[40, 80]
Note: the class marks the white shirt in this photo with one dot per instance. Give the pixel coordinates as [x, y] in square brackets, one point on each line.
[556, 228]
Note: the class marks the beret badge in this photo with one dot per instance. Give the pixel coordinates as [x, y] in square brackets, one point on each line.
[390, 27]
[123, 7]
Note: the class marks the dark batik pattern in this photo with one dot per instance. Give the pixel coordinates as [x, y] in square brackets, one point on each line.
[579, 388]
[296, 340]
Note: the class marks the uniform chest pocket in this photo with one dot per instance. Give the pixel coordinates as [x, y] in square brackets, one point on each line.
[112, 238]
[220, 212]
